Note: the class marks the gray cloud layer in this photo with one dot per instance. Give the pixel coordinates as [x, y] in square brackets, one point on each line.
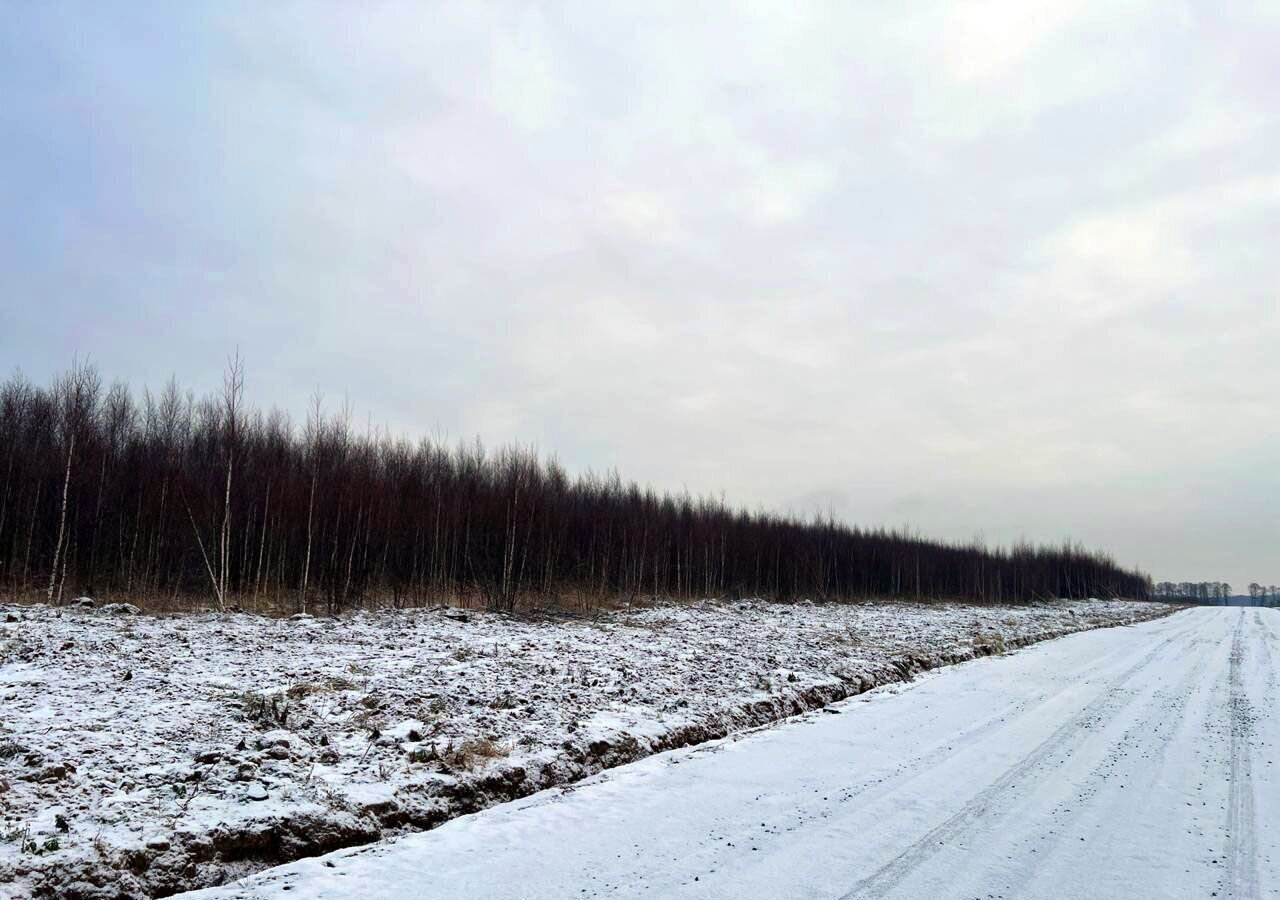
[1003, 267]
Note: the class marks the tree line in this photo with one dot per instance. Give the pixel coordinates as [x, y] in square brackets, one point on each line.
[1214, 593]
[166, 495]
[1203, 592]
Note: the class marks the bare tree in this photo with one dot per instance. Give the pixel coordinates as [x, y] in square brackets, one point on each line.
[76, 396]
[232, 398]
[312, 440]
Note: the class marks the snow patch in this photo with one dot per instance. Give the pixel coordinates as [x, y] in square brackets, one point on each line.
[152, 754]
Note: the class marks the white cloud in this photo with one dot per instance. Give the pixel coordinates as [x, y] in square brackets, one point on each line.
[988, 39]
[1111, 264]
[525, 84]
[1211, 126]
[643, 215]
[777, 193]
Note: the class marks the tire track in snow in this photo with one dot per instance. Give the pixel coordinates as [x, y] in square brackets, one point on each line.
[1242, 839]
[1162, 717]
[1262, 620]
[1266, 643]
[908, 770]
[1066, 738]
[923, 762]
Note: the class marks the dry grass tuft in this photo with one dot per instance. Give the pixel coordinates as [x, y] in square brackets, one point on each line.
[991, 643]
[471, 754]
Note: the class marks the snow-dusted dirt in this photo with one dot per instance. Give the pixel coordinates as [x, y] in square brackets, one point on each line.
[1118, 764]
[143, 755]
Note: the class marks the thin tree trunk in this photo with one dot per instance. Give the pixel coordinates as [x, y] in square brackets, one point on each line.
[4, 504]
[351, 555]
[31, 533]
[97, 526]
[217, 590]
[62, 518]
[133, 544]
[262, 543]
[306, 566]
[224, 550]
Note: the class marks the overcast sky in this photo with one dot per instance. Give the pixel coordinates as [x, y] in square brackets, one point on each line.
[1005, 268]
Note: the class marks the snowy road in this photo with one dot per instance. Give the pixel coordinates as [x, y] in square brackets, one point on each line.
[1132, 762]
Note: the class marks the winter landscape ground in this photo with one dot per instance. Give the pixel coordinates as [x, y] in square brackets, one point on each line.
[1120, 763]
[143, 755]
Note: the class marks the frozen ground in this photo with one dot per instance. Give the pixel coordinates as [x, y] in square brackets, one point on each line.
[143, 755]
[1117, 764]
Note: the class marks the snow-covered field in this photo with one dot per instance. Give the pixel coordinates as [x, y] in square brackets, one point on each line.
[143, 755]
[1113, 765]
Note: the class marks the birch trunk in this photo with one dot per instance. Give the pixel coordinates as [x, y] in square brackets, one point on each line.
[217, 590]
[224, 550]
[306, 566]
[62, 519]
[262, 544]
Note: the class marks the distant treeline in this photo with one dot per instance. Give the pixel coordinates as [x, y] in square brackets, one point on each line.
[1215, 593]
[169, 496]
